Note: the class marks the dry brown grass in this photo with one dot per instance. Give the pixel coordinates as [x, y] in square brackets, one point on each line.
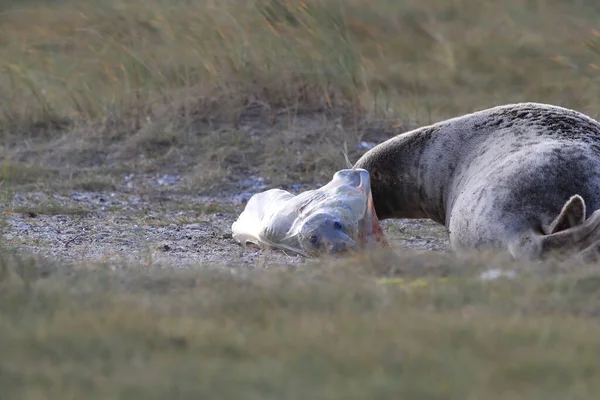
[133, 81]
[129, 60]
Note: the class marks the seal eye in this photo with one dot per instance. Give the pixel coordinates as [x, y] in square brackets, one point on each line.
[314, 239]
[337, 226]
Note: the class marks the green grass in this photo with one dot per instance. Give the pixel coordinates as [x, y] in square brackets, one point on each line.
[317, 332]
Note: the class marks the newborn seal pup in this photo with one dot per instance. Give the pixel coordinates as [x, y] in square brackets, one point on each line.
[333, 219]
[522, 178]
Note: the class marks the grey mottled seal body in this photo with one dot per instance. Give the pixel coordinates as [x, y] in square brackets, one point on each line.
[521, 177]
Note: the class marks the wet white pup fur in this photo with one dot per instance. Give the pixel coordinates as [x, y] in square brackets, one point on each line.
[522, 178]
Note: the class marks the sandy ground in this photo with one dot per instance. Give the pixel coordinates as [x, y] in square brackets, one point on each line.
[162, 227]
[155, 218]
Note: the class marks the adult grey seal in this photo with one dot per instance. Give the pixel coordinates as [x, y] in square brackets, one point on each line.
[522, 178]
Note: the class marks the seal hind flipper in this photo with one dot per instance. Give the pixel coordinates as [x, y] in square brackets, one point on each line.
[566, 243]
[572, 214]
[572, 239]
[590, 254]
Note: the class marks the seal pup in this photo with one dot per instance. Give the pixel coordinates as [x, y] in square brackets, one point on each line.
[522, 178]
[336, 218]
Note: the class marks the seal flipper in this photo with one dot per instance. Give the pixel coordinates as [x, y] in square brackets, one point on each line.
[572, 214]
[568, 234]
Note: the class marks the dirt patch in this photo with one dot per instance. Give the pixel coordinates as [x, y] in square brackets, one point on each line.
[169, 229]
[177, 210]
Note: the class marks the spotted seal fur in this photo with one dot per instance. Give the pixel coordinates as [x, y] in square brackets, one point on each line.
[522, 178]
